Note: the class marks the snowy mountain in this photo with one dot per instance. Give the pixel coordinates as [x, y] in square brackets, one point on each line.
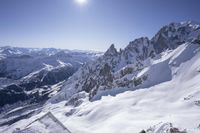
[151, 86]
[19, 62]
[27, 73]
[131, 66]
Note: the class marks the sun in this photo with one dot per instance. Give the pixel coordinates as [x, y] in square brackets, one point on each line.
[81, 2]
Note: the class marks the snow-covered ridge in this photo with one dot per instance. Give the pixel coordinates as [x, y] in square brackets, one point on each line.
[123, 68]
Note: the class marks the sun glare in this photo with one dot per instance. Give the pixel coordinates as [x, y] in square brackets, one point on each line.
[81, 2]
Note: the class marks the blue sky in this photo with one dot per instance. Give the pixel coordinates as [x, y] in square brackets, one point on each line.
[92, 26]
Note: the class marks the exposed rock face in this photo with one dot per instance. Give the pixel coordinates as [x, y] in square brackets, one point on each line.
[163, 128]
[140, 49]
[175, 34]
[104, 72]
[119, 69]
[143, 131]
[112, 51]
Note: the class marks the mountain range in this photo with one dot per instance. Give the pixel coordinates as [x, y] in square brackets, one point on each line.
[27, 74]
[150, 86]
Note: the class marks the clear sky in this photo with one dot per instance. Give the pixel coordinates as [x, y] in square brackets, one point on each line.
[94, 25]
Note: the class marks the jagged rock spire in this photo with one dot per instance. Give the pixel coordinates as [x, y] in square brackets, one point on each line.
[112, 51]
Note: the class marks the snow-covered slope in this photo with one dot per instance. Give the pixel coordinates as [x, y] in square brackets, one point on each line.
[151, 85]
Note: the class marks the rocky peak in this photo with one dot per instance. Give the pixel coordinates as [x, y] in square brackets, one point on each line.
[143, 41]
[112, 51]
[140, 48]
[120, 69]
[174, 34]
[190, 23]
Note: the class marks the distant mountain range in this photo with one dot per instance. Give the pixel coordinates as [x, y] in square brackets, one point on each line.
[29, 73]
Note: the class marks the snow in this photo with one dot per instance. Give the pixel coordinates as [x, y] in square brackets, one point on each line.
[48, 67]
[62, 64]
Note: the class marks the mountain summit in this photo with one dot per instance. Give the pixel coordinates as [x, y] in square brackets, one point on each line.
[112, 51]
